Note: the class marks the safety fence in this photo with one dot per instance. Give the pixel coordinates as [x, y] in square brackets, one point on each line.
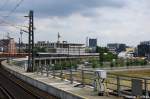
[120, 85]
[115, 84]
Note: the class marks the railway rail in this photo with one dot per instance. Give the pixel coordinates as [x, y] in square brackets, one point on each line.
[14, 88]
[4, 94]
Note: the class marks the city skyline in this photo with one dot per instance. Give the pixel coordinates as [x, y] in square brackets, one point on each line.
[110, 21]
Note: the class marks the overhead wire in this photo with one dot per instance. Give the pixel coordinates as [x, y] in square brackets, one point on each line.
[9, 14]
[4, 23]
[13, 10]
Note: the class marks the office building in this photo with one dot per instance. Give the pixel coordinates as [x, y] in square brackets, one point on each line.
[144, 49]
[61, 47]
[92, 42]
[116, 48]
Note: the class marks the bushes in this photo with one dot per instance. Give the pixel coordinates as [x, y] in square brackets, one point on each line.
[120, 63]
[65, 65]
[143, 62]
[94, 64]
[136, 62]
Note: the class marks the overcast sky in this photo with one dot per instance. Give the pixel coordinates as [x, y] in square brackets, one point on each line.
[116, 21]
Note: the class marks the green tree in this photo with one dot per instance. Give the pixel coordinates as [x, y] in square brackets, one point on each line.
[40, 49]
[105, 55]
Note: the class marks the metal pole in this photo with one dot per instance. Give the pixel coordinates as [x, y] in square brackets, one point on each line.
[118, 85]
[50, 66]
[19, 46]
[32, 28]
[61, 63]
[82, 72]
[54, 69]
[46, 66]
[146, 90]
[31, 43]
[21, 42]
[37, 65]
[41, 68]
[61, 73]
[71, 77]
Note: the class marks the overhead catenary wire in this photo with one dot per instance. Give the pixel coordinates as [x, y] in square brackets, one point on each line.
[3, 20]
[14, 9]
[11, 33]
[4, 23]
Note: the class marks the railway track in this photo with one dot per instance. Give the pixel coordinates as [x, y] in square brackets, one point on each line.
[4, 94]
[29, 92]
[14, 88]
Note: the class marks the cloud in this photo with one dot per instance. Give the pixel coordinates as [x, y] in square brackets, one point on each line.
[122, 21]
[62, 7]
[128, 24]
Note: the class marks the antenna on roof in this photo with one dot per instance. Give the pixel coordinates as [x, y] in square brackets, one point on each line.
[58, 37]
[8, 35]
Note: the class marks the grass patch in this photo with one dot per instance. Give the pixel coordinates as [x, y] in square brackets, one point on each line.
[134, 73]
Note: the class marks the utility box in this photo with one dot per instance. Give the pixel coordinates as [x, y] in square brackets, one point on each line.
[101, 73]
[136, 87]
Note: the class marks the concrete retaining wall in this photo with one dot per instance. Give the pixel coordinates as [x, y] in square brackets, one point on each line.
[47, 88]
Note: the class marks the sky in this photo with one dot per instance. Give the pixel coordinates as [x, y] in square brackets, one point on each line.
[110, 21]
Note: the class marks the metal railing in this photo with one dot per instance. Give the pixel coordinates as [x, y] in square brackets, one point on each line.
[118, 84]
[122, 85]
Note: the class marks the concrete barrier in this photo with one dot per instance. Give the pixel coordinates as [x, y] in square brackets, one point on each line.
[43, 86]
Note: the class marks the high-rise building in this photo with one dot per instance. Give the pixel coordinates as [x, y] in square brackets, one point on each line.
[144, 49]
[92, 42]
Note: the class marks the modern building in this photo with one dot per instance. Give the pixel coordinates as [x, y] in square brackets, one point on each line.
[144, 49]
[7, 45]
[116, 48]
[61, 47]
[92, 42]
